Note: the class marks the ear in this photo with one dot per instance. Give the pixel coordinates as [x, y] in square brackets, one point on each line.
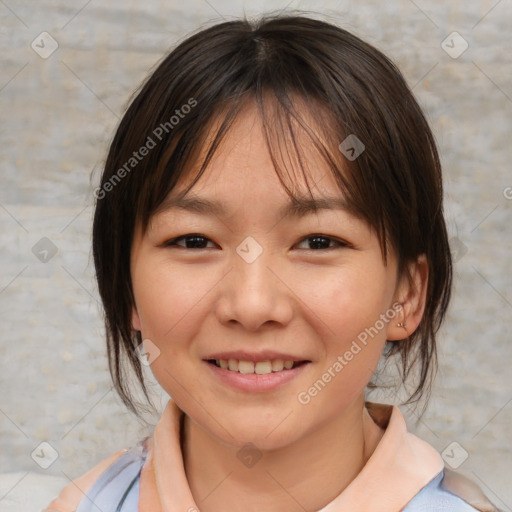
[136, 324]
[411, 294]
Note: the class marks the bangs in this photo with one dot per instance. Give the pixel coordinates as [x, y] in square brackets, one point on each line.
[296, 131]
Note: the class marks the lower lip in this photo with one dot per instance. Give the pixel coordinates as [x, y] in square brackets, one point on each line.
[252, 381]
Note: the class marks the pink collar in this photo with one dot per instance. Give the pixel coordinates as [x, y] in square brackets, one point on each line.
[400, 466]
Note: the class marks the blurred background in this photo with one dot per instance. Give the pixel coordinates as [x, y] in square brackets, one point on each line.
[68, 69]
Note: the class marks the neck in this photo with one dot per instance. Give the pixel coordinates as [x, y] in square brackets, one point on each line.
[305, 475]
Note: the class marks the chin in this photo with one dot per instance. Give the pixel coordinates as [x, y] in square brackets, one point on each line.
[256, 429]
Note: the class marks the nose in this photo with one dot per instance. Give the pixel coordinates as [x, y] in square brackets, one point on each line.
[254, 294]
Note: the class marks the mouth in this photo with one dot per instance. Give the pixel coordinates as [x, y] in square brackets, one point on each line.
[259, 375]
[256, 367]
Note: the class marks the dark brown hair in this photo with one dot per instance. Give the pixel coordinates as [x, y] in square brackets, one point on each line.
[285, 64]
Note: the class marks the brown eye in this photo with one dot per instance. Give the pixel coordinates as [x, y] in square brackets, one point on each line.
[190, 241]
[321, 242]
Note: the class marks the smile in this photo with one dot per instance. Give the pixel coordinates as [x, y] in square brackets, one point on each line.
[255, 376]
[259, 368]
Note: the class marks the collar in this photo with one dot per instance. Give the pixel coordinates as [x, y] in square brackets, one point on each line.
[400, 466]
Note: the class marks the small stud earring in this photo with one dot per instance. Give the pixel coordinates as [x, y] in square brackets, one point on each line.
[401, 324]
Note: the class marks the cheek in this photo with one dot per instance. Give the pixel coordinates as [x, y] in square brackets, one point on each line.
[352, 347]
[169, 300]
[346, 301]
[346, 308]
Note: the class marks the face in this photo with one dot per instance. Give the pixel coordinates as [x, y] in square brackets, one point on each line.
[245, 282]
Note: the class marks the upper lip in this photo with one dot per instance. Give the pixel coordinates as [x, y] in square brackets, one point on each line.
[264, 355]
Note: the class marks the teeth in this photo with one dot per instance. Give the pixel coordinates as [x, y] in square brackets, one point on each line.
[277, 365]
[260, 368]
[245, 366]
[263, 367]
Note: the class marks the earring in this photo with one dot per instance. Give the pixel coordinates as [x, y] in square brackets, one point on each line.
[402, 323]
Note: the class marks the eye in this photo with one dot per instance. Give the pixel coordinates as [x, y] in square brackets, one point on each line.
[190, 241]
[316, 242]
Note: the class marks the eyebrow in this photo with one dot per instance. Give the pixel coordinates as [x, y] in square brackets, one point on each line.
[297, 207]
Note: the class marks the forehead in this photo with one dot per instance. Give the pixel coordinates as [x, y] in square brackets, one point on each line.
[252, 161]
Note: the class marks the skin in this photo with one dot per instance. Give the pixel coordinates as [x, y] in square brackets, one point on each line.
[295, 298]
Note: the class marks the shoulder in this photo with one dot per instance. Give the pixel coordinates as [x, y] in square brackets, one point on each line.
[450, 491]
[120, 467]
[71, 495]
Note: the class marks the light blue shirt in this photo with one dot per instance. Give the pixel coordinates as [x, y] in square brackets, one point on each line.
[117, 490]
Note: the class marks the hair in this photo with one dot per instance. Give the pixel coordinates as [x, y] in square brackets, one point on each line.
[288, 65]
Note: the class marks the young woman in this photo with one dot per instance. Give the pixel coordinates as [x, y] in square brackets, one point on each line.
[269, 225]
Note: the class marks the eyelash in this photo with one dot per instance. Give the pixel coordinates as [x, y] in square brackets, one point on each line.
[340, 243]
